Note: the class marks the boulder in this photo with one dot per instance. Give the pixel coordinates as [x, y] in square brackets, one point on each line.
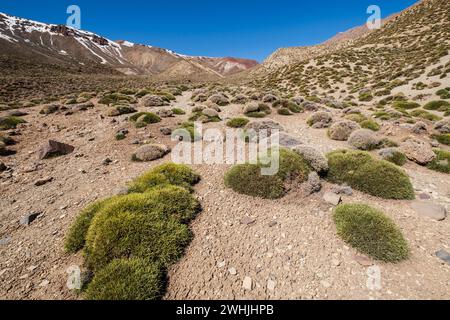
[332, 198]
[313, 185]
[310, 106]
[364, 139]
[269, 98]
[252, 107]
[219, 99]
[153, 101]
[240, 99]
[342, 130]
[417, 150]
[443, 126]
[313, 157]
[164, 113]
[257, 128]
[150, 152]
[211, 113]
[419, 127]
[429, 209]
[50, 109]
[298, 100]
[53, 149]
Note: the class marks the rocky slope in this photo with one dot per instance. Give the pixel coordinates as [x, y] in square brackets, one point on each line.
[288, 56]
[29, 44]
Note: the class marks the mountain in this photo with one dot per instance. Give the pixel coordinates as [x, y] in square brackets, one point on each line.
[287, 56]
[29, 45]
[411, 48]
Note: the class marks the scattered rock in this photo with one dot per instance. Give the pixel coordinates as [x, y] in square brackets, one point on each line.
[343, 190]
[151, 152]
[240, 99]
[444, 256]
[210, 113]
[313, 184]
[43, 181]
[417, 150]
[29, 218]
[272, 224]
[429, 209]
[3, 167]
[310, 106]
[269, 98]
[248, 220]
[419, 127]
[164, 113]
[5, 241]
[247, 283]
[263, 128]
[364, 261]
[271, 285]
[53, 149]
[166, 131]
[232, 271]
[219, 99]
[332, 198]
[315, 158]
[50, 109]
[153, 101]
[443, 126]
[424, 196]
[107, 162]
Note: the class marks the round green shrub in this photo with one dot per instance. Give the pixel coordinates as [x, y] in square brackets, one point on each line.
[356, 117]
[117, 233]
[364, 173]
[284, 112]
[187, 130]
[237, 123]
[441, 163]
[370, 124]
[370, 232]
[405, 105]
[397, 158]
[178, 111]
[7, 123]
[127, 279]
[247, 178]
[166, 174]
[436, 105]
[150, 117]
[76, 237]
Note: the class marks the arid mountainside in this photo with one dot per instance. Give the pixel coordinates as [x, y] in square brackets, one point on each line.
[34, 43]
[412, 46]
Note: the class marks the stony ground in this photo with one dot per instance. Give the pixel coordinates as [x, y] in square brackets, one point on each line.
[243, 247]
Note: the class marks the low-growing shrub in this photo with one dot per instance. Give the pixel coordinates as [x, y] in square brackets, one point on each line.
[405, 105]
[76, 237]
[364, 173]
[370, 232]
[440, 105]
[187, 130]
[248, 178]
[443, 138]
[370, 124]
[178, 111]
[145, 117]
[441, 163]
[425, 115]
[127, 279]
[139, 225]
[7, 123]
[237, 123]
[166, 174]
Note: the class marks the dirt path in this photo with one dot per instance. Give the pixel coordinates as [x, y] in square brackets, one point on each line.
[290, 251]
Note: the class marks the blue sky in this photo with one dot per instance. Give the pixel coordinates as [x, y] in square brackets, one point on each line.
[245, 28]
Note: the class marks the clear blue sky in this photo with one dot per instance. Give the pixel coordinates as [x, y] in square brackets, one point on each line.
[245, 28]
